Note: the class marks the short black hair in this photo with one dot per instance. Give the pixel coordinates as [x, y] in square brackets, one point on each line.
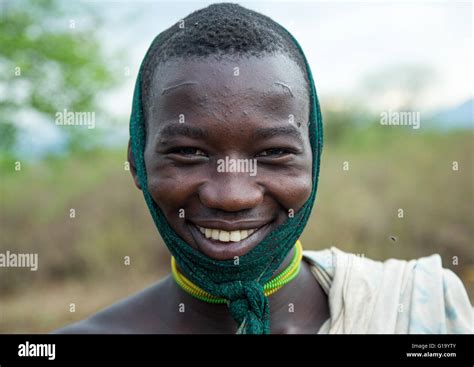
[219, 30]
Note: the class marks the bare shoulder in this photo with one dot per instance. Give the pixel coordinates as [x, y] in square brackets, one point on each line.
[87, 326]
[140, 313]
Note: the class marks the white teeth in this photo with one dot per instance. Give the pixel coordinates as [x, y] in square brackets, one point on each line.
[226, 236]
[235, 236]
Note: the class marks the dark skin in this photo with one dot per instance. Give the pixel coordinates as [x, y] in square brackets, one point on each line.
[239, 116]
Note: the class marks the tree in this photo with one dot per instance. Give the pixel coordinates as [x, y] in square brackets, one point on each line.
[50, 60]
[399, 87]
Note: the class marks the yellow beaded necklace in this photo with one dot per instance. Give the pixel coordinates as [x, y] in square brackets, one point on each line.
[272, 286]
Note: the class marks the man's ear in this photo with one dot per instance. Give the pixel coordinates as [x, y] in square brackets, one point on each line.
[133, 168]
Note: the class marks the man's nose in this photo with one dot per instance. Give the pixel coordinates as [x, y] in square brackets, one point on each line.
[231, 192]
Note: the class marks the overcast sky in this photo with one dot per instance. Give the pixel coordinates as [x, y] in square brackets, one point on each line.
[343, 41]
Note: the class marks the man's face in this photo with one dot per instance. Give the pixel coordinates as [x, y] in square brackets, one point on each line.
[228, 155]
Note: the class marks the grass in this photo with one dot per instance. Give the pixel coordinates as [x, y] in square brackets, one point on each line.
[81, 259]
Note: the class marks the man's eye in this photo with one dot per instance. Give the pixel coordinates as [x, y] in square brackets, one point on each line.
[274, 152]
[190, 151]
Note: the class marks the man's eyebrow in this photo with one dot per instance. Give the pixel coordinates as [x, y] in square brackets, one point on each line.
[270, 132]
[179, 129]
[167, 89]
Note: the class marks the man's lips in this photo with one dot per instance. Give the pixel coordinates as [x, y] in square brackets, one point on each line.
[223, 241]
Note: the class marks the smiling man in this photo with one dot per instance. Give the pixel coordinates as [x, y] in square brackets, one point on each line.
[229, 85]
[227, 117]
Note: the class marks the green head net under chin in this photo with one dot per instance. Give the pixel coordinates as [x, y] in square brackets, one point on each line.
[242, 284]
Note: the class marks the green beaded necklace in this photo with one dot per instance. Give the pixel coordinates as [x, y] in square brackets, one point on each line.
[272, 286]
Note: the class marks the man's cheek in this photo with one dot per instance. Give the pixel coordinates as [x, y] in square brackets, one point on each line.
[297, 191]
[169, 193]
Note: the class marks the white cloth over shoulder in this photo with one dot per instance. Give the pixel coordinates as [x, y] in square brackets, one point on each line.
[391, 297]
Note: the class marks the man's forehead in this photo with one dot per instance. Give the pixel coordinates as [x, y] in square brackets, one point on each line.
[267, 90]
[261, 74]
[190, 101]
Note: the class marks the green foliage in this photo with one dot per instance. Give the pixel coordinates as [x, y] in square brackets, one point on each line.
[48, 63]
[8, 136]
[342, 120]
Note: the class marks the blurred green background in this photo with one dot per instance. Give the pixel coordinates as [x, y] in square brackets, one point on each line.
[65, 61]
